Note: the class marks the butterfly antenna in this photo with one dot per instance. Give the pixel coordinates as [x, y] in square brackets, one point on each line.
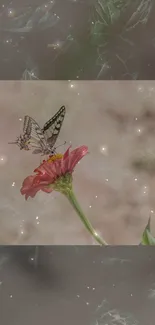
[60, 145]
[15, 142]
[54, 149]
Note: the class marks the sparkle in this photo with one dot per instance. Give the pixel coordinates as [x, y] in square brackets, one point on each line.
[8, 41]
[131, 295]
[135, 179]
[90, 206]
[11, 296]
[145, 191]
[140, 89]
[56, 45]
[93, 289]
[96, 196]
[37, 217]
[92, 22]
[20, 119]
[10, 12]
[78, 94]
[151, 89]
[152, 211]
[72, 86]
[88, 287]
[78, 296]
[104, 150]
[3, 160]
[32, 258]
[136, 118]
[38, 222]
[13, 184]
[87, 303]
[107, 180]
[22, 232]
[139, 131]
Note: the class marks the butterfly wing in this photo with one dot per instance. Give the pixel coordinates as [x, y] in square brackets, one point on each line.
[34, 134]
[27, 127]
[52, 127]
[22, 140]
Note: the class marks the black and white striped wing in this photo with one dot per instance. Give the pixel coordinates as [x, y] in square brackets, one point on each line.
[52, 127]
[27, 126]
[35, 135]
[22, 140]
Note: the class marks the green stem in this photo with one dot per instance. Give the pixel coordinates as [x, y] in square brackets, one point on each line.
[72, 199]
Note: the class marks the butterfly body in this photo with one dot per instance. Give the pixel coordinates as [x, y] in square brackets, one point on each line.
[41, 140]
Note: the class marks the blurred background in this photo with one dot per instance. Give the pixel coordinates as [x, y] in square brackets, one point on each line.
[77, 39]
[77, 285]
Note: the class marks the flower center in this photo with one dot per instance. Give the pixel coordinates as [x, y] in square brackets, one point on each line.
[55, 157]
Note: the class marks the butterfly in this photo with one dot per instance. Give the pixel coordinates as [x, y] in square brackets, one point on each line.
[41, 140]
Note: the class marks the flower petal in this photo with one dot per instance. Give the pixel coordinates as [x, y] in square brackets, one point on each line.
[47, 189]
[28, 189]
[66, 154]
[48, 168]
[31, 193]
[76, 155]
[27, 183]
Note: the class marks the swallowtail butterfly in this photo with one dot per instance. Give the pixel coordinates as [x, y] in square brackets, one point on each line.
[41, 140]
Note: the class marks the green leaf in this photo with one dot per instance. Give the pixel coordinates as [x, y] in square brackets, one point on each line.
[147, 238]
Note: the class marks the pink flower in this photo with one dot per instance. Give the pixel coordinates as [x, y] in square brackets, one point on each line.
[53, 174]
